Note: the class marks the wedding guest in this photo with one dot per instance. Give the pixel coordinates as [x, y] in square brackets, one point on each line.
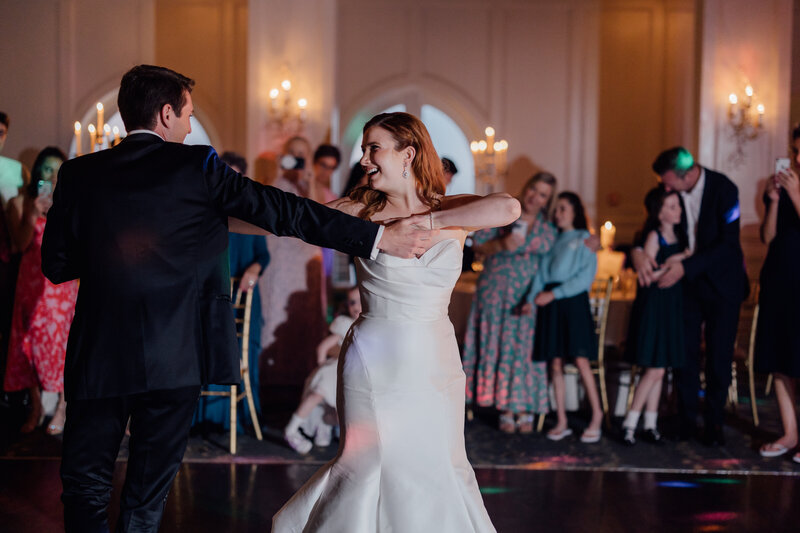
[293, 293]
[655, 337]
[357, 178]
[11, 171]
[319, 394]
[450, 170]
[714, 285]
[326, 161]
[565, 328]
[777, 334]
[42, 311]
[248, 257]
[499, 339]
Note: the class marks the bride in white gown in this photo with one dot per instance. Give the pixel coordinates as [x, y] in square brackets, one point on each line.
[402, 466]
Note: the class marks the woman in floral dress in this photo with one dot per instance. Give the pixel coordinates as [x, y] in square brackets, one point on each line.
[42, 311]
[499, 340]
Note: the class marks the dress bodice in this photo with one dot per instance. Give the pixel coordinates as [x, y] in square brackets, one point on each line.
[416, 289]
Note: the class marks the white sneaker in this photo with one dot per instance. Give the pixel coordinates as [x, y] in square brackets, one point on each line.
[297, 441]
[323, 436]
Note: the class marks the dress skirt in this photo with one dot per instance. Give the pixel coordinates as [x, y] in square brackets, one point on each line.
[565, 328]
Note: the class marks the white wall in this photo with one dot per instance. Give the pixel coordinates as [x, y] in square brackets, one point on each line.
[529, 69]
[59, 58]
[745, 41]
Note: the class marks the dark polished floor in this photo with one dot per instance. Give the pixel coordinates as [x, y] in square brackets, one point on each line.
[209, 497]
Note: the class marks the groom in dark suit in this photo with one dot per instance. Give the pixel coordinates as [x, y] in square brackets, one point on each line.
[144, 227]
[714, 282]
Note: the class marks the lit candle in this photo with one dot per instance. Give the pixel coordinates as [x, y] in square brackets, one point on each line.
[273, 98]
[286, 85]
[107, 134]
[760, 109]
[99, 117]
[473, 146]
[78, 138]
[302, 104]
[502, 154]
[733, 100]
[116, 135]
[607, 233]
[481, 146]
[749, 92]
[489, 138]
[92, 137]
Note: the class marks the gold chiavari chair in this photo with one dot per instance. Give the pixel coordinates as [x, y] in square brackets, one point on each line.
[744, 349]
[242, 306]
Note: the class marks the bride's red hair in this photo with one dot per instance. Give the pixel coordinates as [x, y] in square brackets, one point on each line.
[407, 130]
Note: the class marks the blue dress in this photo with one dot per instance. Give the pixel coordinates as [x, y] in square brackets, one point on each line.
[243, 251]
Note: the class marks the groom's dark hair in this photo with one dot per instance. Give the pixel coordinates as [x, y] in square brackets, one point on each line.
[145, 89]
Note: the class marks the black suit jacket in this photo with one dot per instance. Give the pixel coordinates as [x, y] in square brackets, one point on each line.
[144, 226]
[718, 262]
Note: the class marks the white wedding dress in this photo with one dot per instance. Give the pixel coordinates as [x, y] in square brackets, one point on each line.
[402, 466]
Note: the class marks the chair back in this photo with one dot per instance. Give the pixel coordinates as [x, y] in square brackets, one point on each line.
[242, 304]
[599, 299]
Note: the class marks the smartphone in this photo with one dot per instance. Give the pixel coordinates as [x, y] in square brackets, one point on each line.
[44, 188]
[781, 164]
[519, 227]
[289, 162]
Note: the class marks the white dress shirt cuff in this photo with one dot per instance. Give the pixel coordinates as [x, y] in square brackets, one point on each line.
[374, 254]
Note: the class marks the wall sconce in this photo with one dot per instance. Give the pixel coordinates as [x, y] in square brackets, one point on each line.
[284, 113]
[490, 158]
[746, 119]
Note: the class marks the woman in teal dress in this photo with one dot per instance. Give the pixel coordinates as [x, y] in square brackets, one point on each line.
[248, 257]
[499, 339]
[655, 334]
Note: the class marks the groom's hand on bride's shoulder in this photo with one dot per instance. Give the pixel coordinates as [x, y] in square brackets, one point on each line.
[407, 237]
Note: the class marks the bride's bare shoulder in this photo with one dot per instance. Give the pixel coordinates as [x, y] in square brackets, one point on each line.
[346, 205]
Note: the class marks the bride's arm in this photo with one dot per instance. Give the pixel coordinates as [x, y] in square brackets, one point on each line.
[472, 212]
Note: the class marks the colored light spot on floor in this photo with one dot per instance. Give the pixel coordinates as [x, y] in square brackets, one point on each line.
[678, 484]
[720, 481]
[495, 490]
[718, 516]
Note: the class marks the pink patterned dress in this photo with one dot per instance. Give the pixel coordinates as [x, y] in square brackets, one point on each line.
[40, 325]
[498, 345]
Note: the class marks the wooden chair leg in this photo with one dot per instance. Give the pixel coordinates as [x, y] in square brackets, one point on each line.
[251, 404]
[234, 402]
[752, 380]
[601, 375]
[631, 387]
[540, 423]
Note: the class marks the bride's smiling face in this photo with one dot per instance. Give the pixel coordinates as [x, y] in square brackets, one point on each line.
[382, 163]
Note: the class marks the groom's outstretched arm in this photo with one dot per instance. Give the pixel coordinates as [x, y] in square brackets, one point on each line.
[285, 214]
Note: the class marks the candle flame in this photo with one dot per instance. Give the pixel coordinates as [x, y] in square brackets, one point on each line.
[760, 109]
[274, 93]
[91, 128]
[302, 103]
[482, 145]
[77, 127]
[503, 145]
[608, 225]
[733, 99]
[287, 85]
[116, 130]
[106, 129]
[498, 146]
[748, 91]
[489, 131]
[473, 146]
[99, 106]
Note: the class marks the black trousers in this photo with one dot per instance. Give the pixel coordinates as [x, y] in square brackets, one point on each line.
[94, 429]
[702, 305]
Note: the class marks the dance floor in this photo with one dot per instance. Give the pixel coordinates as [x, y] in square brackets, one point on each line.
[528, 482]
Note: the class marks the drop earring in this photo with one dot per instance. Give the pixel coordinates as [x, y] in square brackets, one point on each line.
[405, 171]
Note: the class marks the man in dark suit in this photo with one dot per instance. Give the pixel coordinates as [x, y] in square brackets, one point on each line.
[144, 226]
[714, 281]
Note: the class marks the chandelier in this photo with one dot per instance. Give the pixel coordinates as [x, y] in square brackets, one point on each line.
[491, 162]
[746, 119]
[285, 113]
[101, 136]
